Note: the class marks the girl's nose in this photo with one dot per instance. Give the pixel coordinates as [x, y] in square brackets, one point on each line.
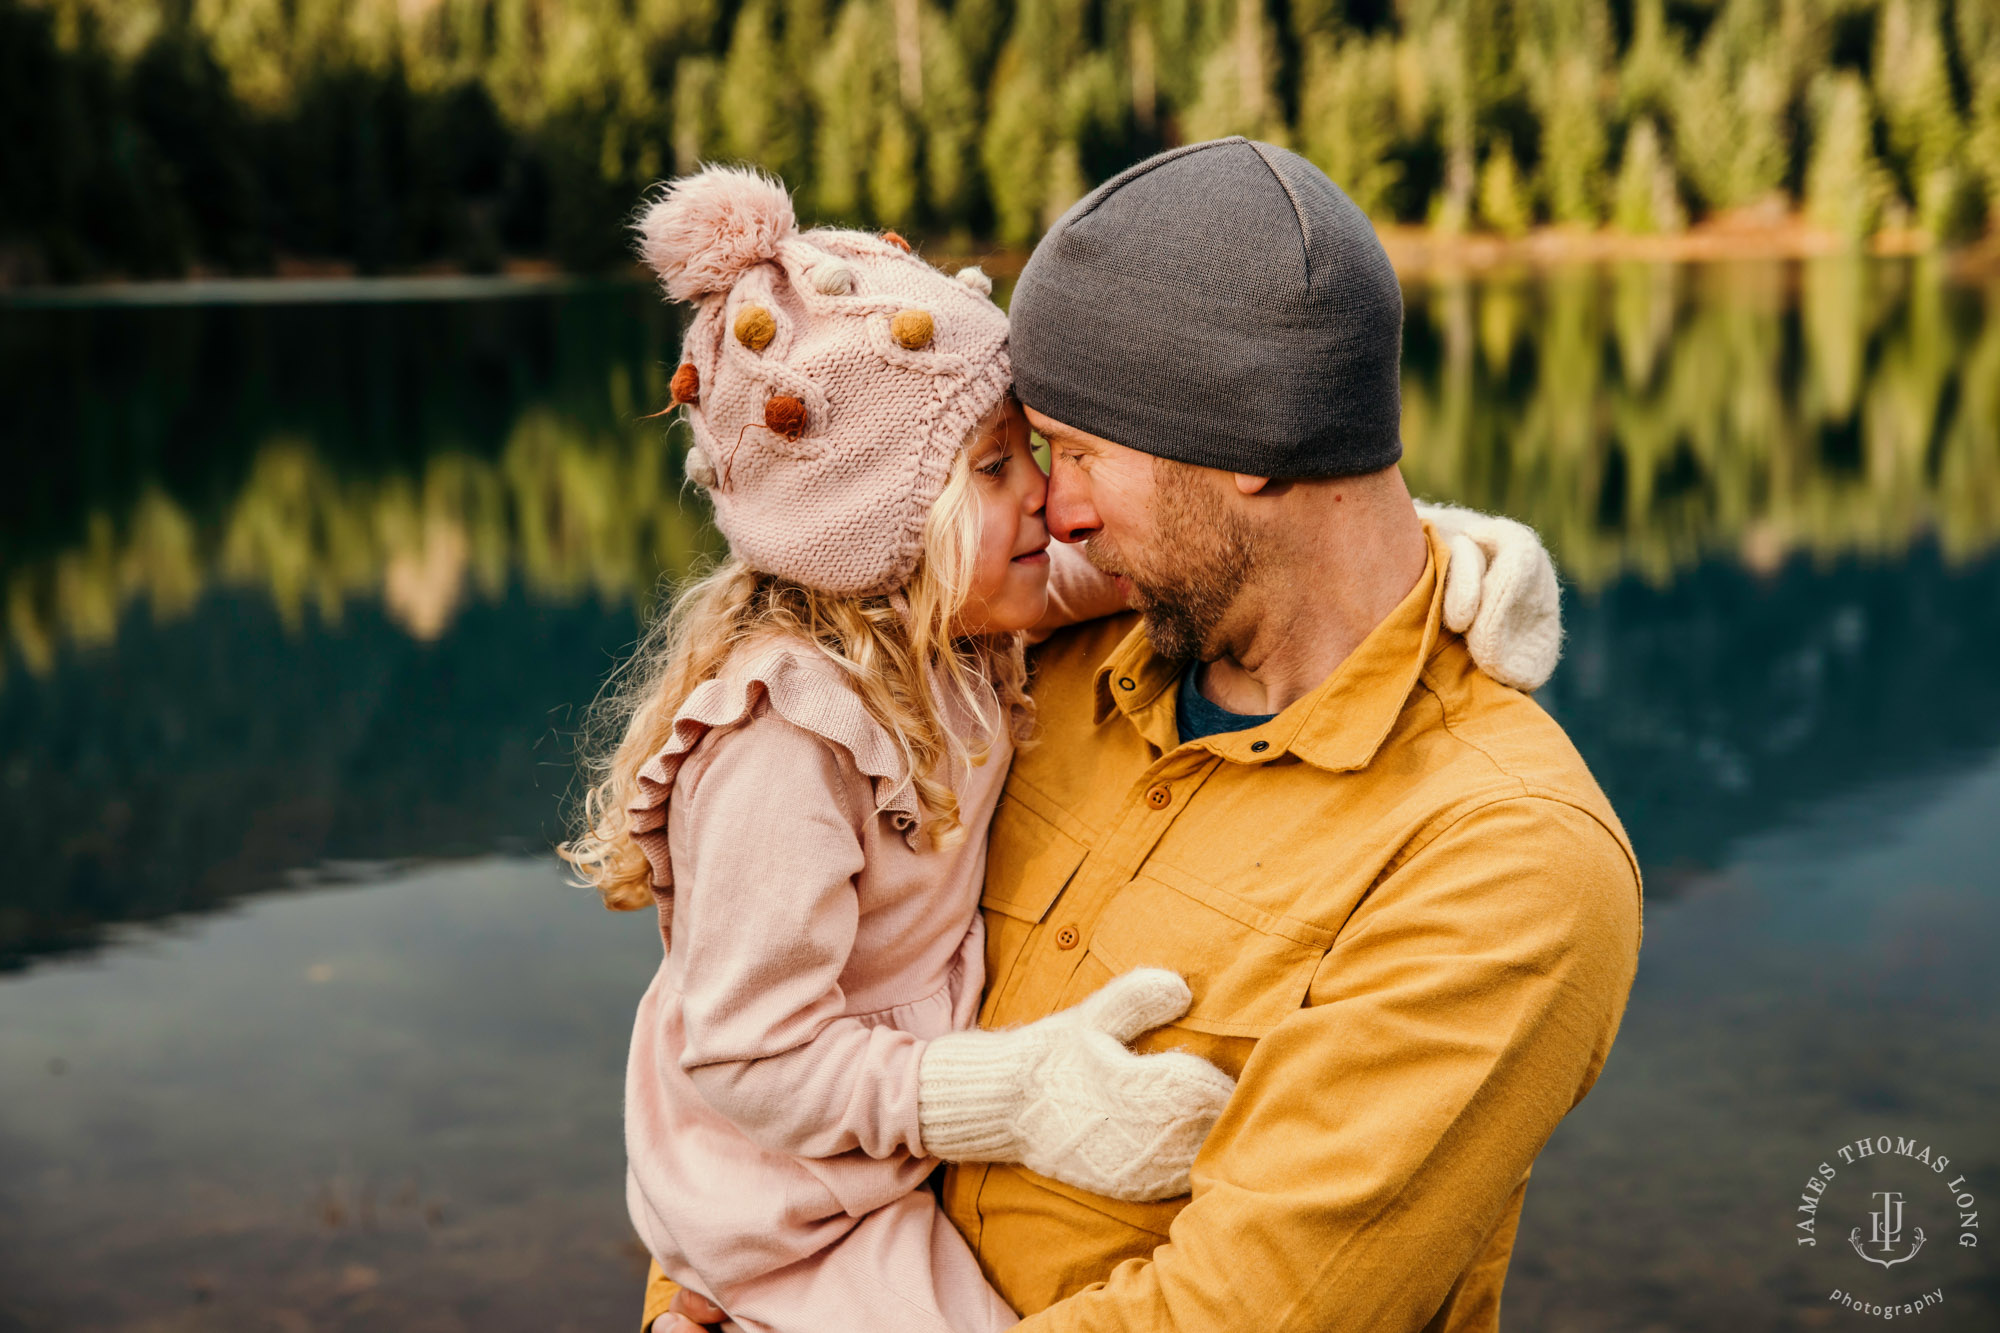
[1037, 497]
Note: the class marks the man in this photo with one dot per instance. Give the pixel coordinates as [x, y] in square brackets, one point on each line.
[1407, 913]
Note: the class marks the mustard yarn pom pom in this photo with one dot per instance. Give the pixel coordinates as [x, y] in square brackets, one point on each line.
[912, 328]
[755, 327]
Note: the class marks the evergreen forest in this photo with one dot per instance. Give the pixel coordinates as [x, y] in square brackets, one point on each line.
[158, 137]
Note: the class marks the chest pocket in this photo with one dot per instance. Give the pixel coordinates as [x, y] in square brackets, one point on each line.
[1248, 968]
[1029, 862]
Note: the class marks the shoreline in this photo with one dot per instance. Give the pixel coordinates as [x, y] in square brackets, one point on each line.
[1750, 235]
[1416, 252]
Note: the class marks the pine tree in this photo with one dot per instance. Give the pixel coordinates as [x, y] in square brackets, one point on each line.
[695, 131]
[761, 111]
[1983, 144]
[1913, 86]
[1844, 185]
[1565, 50]
[1235, 95]
[1029, 148]
[1977, 32]
[1017, 148]
[1646, 198]
[950, 123]
[1729, 112]
[1503, 198]
[1573, 139]
[854, 93]
[893, 178]
[1347, 116]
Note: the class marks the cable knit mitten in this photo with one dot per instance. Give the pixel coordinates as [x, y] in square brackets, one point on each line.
[1064, 1097]
[1501, 594]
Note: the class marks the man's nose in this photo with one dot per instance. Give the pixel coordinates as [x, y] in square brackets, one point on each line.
[1071, 517]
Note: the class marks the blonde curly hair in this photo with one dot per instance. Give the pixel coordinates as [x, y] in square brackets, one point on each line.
[901, 651]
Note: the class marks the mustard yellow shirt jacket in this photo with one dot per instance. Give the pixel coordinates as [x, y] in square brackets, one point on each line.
[1410, 920]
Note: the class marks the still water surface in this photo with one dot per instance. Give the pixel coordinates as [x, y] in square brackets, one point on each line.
[300, 1028]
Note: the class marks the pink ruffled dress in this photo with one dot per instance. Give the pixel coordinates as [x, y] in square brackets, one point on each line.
[771, 1124]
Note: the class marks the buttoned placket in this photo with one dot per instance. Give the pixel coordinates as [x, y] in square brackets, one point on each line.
[1156, 799]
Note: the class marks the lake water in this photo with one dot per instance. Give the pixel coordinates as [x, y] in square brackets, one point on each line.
[300, 1027]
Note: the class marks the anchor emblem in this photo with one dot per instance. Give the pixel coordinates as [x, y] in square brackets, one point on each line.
[1885, 1230]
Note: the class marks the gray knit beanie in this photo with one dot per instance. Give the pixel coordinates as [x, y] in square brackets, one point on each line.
[1221, 304]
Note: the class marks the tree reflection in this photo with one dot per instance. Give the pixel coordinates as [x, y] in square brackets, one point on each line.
[1645, 417]
[290, 587]
[325, 501]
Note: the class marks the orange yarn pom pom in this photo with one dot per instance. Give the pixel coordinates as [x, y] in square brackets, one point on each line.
[686, 384]
[755, 327]
[912, 328]
[786, 416]
[896, 240]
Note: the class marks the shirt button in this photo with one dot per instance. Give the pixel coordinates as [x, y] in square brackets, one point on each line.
[1160, 797]
[1066, 938]
[1258, 747]
[1125, 682]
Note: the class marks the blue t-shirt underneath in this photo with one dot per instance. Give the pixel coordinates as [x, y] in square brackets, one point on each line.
[1196, 717]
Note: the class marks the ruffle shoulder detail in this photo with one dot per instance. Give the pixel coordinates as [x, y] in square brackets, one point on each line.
[807, 691]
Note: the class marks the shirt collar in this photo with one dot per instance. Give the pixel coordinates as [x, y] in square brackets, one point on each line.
[1338, 725]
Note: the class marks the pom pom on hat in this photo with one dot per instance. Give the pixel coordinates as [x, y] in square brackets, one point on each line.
[686, 384]
[786, 416]
[707, 229]
[698, 469]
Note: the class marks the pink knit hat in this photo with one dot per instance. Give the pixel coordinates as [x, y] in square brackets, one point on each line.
[830, 378]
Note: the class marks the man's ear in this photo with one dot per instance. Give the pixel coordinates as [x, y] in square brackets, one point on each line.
[1249, 485]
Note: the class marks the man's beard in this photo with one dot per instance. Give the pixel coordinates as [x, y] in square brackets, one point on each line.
[1198, 559]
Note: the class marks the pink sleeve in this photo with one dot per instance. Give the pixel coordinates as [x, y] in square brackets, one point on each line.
[1078, 591]
[764, 921]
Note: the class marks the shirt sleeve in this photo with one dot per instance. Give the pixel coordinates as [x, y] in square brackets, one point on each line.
[1377, 1136]
[764, 920]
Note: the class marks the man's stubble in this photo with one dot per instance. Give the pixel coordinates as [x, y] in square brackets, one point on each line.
[1198, 559]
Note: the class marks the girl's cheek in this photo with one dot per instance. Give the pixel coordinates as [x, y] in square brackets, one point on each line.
[999, 526]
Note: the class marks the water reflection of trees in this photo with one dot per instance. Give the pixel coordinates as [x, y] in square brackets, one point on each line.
[1646, 416]
[312, 504]
[1643, 417]
[311, 585]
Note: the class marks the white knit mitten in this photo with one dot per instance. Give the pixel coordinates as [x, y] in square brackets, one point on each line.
[1501, 594]
[1064, 1097]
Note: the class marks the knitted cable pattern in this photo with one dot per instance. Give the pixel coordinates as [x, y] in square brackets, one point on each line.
[840, 507]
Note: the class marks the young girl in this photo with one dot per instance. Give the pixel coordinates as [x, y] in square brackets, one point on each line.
[814, 739]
